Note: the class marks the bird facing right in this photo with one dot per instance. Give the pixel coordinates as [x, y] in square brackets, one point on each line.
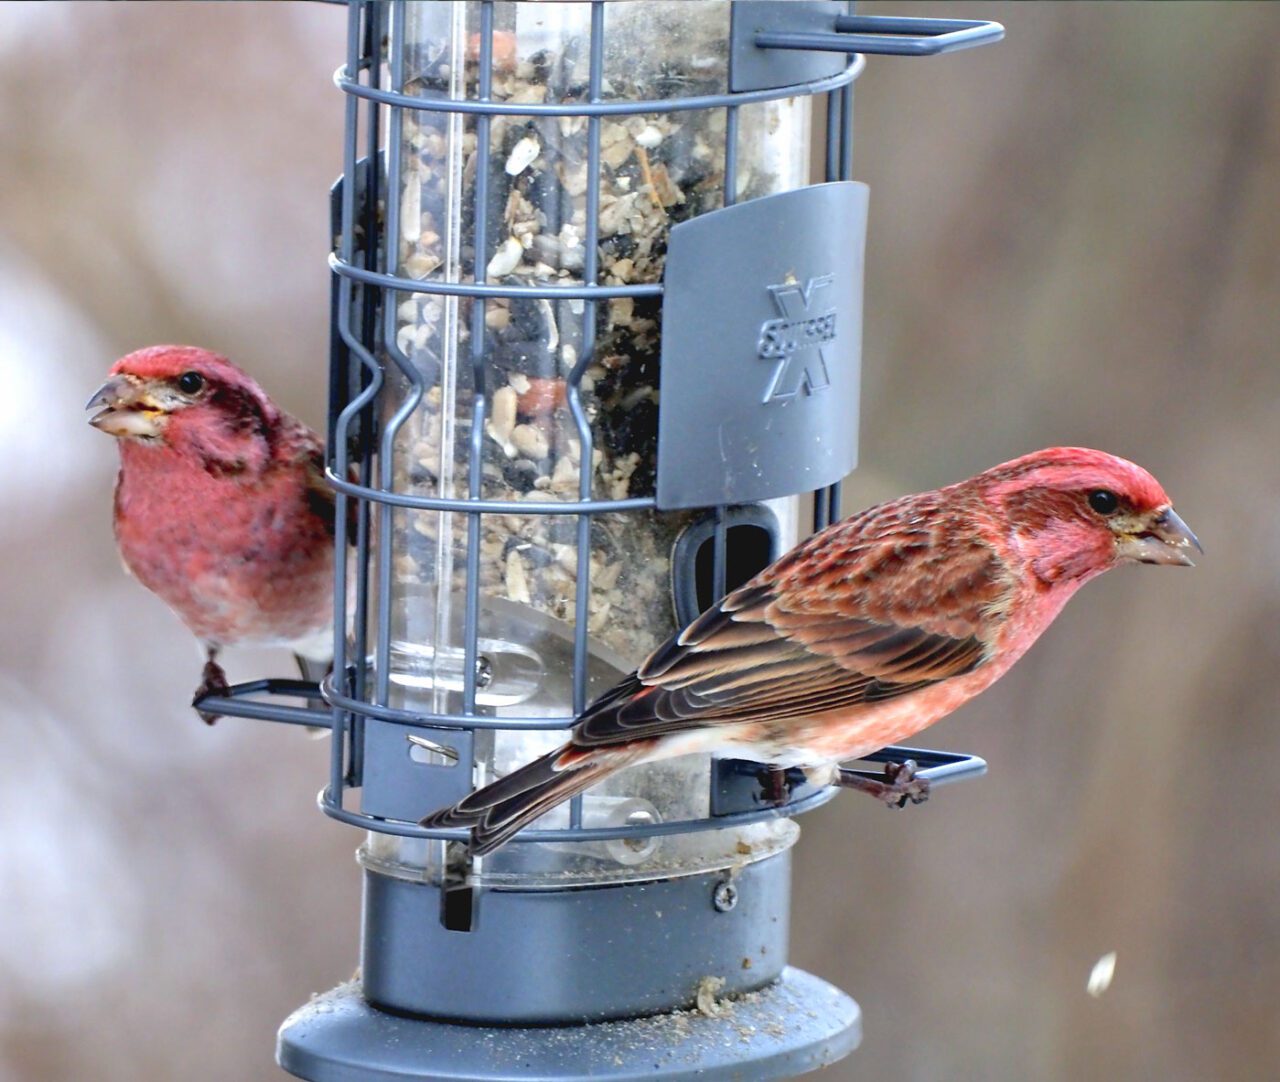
[861, 636]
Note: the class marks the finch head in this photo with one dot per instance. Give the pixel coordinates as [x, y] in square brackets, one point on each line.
[188, 400]
[1077, 512]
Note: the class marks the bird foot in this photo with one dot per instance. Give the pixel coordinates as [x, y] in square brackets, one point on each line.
[214, 683]
[900, 784]
[775, 789]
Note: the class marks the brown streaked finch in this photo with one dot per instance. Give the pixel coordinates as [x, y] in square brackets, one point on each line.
[221, 508]
[861, 636]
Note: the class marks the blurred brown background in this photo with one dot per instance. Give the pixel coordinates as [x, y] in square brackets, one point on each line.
[1074, 239]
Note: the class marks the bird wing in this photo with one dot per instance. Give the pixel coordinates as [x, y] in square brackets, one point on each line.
[862, 613]
[304, 447]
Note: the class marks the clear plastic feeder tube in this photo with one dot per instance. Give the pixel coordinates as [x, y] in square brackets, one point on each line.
[528, 397]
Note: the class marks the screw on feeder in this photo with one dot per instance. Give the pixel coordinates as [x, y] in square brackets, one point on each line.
[639, 817]
[725, 896]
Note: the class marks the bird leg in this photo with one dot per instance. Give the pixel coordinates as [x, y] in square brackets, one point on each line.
[214, 682]
[899, 786]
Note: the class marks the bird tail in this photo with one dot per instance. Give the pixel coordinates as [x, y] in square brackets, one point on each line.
[511, 803]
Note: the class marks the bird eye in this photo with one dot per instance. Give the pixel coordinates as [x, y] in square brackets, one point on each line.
[1104, 501]
[190, 382]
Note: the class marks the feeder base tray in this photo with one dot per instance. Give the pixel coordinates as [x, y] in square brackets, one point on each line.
[797, 1024]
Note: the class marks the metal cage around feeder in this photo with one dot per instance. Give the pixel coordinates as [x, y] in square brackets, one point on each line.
[594, 331]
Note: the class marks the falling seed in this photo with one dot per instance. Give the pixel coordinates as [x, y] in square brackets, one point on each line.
[1104, 969]
[522, 155]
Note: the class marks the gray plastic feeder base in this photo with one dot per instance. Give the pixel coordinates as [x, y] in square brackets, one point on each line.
[797, 1024]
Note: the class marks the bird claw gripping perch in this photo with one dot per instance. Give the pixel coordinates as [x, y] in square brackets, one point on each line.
[900, 784]
[214, 682]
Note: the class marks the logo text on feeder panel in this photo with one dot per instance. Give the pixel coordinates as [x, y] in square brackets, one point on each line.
[794, 342]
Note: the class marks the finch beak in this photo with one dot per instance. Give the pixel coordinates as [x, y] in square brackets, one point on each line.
[127, 410]
[1166, 540]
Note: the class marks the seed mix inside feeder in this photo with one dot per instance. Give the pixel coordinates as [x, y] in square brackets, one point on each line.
[656, 170]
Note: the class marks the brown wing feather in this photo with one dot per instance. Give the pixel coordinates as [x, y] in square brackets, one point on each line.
[875, 607]
[319, 496]
[497, 811]
[797, 641]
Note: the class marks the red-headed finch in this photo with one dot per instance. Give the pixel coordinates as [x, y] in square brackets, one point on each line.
[221, 507]
[862, 636]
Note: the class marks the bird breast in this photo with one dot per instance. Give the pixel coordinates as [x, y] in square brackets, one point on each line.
[241, 560]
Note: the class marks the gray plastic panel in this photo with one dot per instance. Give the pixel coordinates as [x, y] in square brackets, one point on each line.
[796, 1025]
[754, 68]
[396, 786]
[761, 348]
[573, 955]
[701, 532]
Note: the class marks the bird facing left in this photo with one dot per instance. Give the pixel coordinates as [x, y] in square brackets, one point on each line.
[221, 508]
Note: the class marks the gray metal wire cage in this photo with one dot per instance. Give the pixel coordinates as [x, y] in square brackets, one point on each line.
[487, 281]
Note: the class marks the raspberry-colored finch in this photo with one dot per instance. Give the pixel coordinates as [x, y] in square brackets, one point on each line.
[862, 636]
[221, 507]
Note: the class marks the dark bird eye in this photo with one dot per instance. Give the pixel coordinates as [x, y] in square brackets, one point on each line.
[190, 382]
[1104, 501]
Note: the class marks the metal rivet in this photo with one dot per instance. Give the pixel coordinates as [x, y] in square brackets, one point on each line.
[725, 896]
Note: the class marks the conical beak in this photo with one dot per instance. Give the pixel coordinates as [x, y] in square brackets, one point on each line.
[114, 392]
[1167, 540]
[125, 410]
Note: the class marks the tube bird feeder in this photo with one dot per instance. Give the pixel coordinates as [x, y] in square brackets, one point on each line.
[595, 332]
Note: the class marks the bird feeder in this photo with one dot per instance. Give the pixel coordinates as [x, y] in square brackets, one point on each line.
[595, 332]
